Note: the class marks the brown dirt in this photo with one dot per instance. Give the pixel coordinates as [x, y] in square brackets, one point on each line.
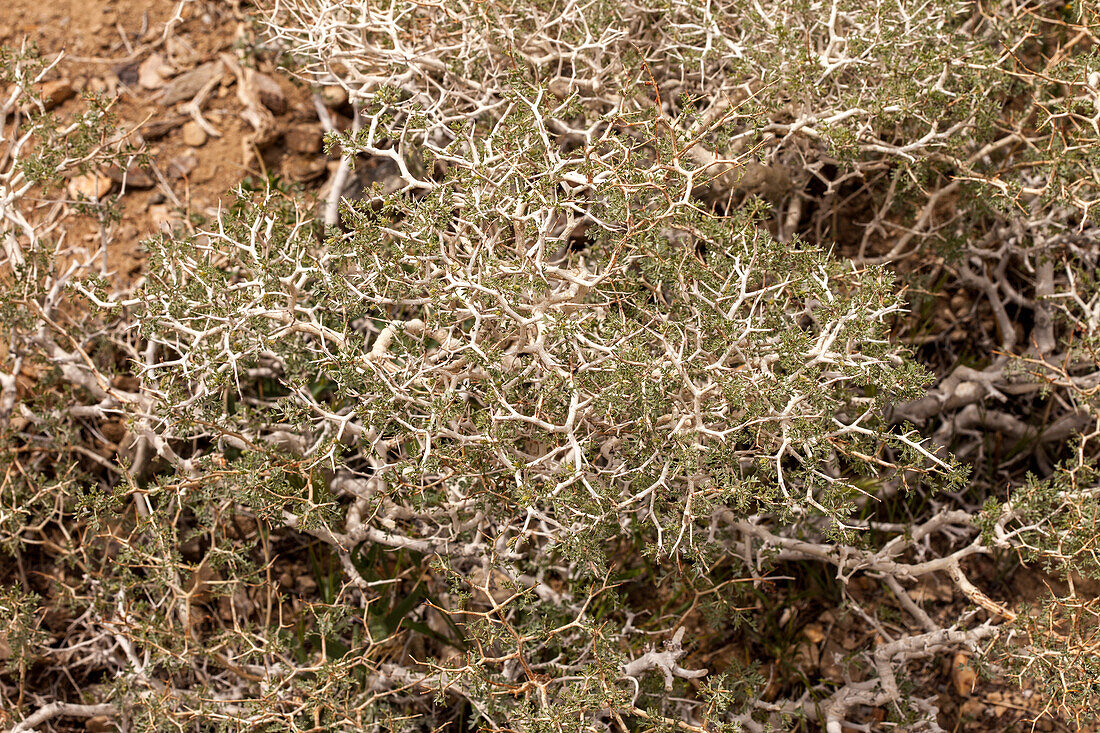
[105, 42]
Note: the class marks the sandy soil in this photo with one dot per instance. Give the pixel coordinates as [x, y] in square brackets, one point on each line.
[132, 51]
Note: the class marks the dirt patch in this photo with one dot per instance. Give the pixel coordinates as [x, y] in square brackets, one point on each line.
[172, 73]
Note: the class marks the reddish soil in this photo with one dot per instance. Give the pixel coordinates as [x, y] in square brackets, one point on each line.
[105, 43]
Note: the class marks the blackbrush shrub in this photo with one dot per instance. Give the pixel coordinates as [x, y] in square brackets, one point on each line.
[591, 386]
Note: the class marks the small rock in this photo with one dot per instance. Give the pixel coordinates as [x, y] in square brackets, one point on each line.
[807, 657]
[340, 122]
[192, 550]
[90, 187]
[114, 431]
[128, 74]
[929, 589]
[135, 177]
[159, 128]
[182, 165]
[163, 218]
[774, 682]
[57, 92]
[203, 173]
[305, 140]
[814, 633]
[971, 709]
[242, 603]
[126, 382]
[960, 303]
[202, 581]
[833, 667]
[99, 724]
[305, 169]
[243, 527]
[193, 134]
[271, 95]
[333, 95]
[179, 50]
[97, 85]
[769, 180]
[186, 86]
[149, 75]
[963, 675]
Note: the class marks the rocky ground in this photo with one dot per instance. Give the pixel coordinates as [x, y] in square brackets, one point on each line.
[199, 98]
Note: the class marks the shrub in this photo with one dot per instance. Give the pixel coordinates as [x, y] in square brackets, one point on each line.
[598, 384]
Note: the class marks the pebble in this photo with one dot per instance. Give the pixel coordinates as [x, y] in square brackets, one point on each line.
[963, 675]
[972, 709]
[271, 95]
[179, 51]
[135, 177]
[186, 86]
[182, 165]
[164, 220]
[203, 173]
[128, 74]
[91, 186]
[814, 633]
[149, 76]
[333, 95]
[99, 724]
[193, 134]
[159, 128]
[960, 304]
[305, 169]
[57, 92]
[305, 140]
